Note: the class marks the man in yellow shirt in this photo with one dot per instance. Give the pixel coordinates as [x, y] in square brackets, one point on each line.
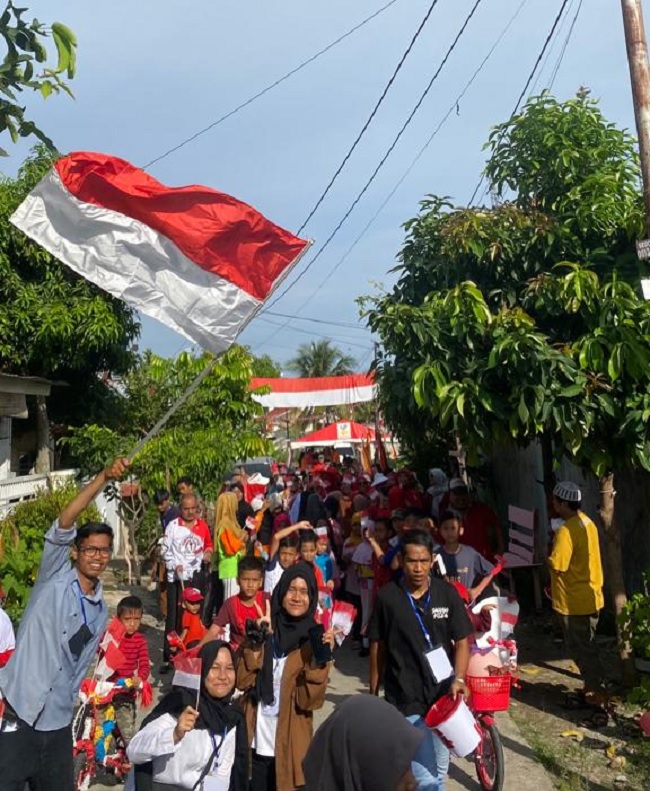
[577, 582]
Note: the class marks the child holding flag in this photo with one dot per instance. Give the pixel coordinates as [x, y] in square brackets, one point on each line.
[134, 667]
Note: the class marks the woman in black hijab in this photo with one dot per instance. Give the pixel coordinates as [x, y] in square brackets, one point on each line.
[180, 745]
[365, 745]
[283, 682]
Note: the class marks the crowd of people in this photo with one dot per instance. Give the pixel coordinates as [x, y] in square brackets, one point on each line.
[244, 584]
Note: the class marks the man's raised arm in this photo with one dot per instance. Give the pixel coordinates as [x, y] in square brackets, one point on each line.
[112, 472]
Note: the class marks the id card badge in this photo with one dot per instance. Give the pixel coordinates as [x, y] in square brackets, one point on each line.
[439, 663]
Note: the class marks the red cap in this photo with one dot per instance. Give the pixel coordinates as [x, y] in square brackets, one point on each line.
[192, 595]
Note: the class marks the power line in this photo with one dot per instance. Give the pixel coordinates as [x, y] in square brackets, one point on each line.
[370, 118]
[347, 325]
[419, 155]
[382, 161]
[564, 46]
[549, 53]
[337, 338]
[556, 21]
[273, 85]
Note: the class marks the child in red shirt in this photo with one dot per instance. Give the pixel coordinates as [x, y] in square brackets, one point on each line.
[250, 602]
[380, 543]
[193, 629]
[136, 667]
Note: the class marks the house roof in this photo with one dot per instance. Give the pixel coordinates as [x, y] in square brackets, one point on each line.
[24, 385]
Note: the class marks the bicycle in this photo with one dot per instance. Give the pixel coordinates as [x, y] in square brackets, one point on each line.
[97, 743]
[489, 694]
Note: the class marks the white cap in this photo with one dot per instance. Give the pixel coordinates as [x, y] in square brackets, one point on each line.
[567, 490]
[379, 479]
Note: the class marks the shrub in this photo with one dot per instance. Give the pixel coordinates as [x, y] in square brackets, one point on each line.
[21, 542]
[635, 623]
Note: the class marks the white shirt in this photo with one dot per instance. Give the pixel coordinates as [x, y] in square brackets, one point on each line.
[7, 637]
[272, 574]
[182, 763]
[181, 547]
[266, 723]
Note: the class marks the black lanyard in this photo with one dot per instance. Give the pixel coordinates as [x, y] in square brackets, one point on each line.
[418, 615]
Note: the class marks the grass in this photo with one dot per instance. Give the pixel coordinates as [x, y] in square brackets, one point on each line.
[575, 767]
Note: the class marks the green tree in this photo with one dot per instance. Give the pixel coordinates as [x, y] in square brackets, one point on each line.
[526, 320]
[321, 358]
[54, 323]
[218, 425]
[25, 67]
[21, 542]
[265, 367]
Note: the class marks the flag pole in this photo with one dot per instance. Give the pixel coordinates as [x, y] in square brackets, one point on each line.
[174, 407]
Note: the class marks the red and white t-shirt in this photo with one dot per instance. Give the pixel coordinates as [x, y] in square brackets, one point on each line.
[7, 638]
[184, 545]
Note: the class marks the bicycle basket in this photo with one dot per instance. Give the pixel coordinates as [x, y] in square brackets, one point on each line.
[489, 693]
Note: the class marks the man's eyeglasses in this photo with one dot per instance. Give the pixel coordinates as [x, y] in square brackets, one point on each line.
[93, 552]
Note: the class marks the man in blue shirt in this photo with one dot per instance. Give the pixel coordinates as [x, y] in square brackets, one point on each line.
[57, 640]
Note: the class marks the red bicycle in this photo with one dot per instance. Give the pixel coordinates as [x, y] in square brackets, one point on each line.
[489, 694]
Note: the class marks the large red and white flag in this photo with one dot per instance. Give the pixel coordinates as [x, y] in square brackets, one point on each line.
[198, 260]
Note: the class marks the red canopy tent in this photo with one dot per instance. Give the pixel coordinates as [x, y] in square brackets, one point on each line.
[343, 432]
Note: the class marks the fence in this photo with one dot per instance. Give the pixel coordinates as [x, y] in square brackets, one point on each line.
[27, 487]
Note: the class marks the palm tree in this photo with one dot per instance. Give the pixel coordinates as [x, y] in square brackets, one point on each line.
[321, 358]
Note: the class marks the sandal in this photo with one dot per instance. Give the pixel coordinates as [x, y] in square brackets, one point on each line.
[599, 719]
[575, 700]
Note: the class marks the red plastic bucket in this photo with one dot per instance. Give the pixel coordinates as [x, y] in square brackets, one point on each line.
[454, 723]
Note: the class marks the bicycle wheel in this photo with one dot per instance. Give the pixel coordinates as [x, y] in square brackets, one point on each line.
[488, 758]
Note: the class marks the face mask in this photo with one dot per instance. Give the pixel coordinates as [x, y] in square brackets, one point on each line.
[556, 524]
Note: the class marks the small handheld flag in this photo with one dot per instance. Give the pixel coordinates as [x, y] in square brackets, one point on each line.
[187, 672]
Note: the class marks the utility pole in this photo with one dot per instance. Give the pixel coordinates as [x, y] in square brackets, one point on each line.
[637, 56]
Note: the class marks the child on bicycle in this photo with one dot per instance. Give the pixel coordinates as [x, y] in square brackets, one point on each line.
[136, 667]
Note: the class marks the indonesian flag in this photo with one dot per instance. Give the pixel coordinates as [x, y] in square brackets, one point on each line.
[114, 634]
[198, 260]
[187, 672]
[111, 658]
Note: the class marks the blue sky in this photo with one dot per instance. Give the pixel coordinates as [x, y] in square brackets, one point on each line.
[153, 72]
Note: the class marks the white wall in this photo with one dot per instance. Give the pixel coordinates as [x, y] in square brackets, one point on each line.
[5, 447]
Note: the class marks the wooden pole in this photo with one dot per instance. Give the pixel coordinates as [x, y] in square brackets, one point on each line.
[637, 56]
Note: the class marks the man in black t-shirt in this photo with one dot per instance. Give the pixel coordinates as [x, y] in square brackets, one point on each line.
[419, 643]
